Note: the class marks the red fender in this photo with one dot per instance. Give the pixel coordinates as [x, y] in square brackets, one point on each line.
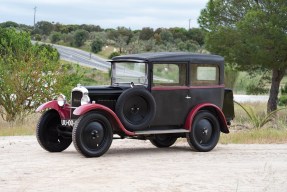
[193, 112]
[64, 112]
[89, 107]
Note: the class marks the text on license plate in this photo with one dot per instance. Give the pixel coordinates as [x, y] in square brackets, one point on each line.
[67, 122]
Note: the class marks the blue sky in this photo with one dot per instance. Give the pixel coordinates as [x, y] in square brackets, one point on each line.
[134, 14]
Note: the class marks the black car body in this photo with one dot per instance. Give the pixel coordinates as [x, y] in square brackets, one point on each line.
[156, 96]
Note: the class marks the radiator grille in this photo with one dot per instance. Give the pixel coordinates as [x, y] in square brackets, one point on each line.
[76, 101]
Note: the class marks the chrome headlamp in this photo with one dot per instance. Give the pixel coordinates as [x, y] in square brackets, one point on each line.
[85, 99]
[61, 99]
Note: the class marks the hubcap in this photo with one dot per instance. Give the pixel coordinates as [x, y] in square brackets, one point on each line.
[135, 109]
[93, 135]
[203, 131]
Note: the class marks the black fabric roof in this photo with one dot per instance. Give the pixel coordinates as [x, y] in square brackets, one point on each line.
[172, 57]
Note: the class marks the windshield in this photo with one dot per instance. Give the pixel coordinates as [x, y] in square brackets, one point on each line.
[129, 72]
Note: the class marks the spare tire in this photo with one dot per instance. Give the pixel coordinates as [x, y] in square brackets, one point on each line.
[136, 108]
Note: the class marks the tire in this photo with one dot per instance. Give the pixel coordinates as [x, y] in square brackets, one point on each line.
[92, 134]
[136, 108]
[163, 140]
[205, 132]
[47, 134]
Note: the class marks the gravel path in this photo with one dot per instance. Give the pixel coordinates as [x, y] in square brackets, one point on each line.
[132, 165]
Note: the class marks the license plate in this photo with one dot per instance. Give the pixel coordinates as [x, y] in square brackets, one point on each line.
[68, 122]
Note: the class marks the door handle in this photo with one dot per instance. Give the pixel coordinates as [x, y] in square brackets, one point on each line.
[188, 97]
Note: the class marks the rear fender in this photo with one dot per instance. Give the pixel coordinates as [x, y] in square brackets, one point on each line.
[64, 112]
[107, 111]
[209, 107]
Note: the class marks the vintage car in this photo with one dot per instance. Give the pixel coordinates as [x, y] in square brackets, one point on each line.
[153, 96]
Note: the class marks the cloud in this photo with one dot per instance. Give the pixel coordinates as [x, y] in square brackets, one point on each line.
[107, 13]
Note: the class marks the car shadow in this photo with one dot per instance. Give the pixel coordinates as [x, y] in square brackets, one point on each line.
[144, 150]
[135, 151]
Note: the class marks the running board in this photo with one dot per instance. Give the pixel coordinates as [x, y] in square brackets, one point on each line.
[161, 131]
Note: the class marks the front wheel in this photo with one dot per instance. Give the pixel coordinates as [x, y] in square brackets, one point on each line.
[205, 132]
[47, 133]
[163, 140]
[92, 134]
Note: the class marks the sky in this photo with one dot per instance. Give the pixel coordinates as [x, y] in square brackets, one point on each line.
[134, 14]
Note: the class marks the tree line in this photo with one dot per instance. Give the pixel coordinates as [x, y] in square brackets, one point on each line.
[124, 39]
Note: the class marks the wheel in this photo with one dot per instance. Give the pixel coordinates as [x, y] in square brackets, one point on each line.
[92, 134]
[205, 132]
[136, 108]
[47, 134]
[163, 140]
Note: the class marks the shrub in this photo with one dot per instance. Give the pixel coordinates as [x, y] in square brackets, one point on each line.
[255, 89]
[114, 54]
[283, 97]
[28, 74]
[96, 46]
[55, 37]
[38, 37]
[282, 100]
[80, 37]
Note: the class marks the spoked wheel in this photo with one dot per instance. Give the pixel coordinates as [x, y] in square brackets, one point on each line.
[136, 108]
[163, 140]
[47, 134]
[92, 134]
[205, 132]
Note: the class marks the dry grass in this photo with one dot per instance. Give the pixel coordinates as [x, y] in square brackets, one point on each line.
[242, 131]
[26, 127]
[242, 121]
[107, 51]
[255, 136]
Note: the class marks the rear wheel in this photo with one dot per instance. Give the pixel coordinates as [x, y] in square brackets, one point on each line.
[47, 133]
[92, 134]
[205, 132]
[163, 140]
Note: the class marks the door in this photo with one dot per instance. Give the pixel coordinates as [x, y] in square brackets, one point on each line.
[170, 91]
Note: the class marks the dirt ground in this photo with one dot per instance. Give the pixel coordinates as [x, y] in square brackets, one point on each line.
[132, 165]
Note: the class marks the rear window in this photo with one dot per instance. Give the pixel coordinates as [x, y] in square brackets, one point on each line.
[202, 75]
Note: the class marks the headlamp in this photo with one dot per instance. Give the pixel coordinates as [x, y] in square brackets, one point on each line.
[61, 99]
[85, 99]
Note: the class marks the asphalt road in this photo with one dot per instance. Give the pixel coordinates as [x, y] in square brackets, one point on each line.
[82, 57]
[251, 98]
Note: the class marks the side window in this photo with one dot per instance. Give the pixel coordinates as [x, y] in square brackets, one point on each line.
[169, 74]
[204, 75]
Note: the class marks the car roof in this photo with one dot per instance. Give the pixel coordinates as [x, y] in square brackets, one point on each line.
[172, 57]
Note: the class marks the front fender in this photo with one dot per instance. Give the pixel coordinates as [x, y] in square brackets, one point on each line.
[64, 112]
[92, 107]
[207, 106]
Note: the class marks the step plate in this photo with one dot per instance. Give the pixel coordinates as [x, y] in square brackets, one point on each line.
[161, 131]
